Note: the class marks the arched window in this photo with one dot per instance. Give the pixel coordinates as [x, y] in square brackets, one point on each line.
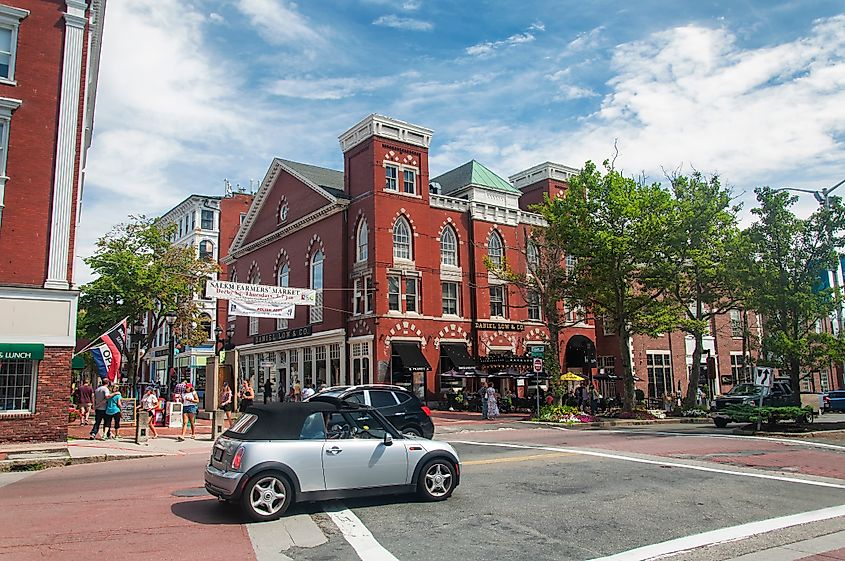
[362, 241]
[448, 247]
[283, 279]
[205, 325]
[495, 248]
[533, 257]
[206, 250]
[402, 240]
[317, 284]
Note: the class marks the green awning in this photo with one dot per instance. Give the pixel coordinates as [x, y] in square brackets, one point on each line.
[21, 351]
[77, 363]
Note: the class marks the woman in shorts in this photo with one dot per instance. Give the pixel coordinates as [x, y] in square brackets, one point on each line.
[190, 404]
[226, 402]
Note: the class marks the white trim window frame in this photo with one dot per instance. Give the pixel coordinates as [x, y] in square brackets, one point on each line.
[7, 106]
[394, 293]
[15, 392]
[736, 323]
[283, 279]
[317, 272]
[451, 298]
[409, 181]
[495, 248]
[369, 294]
[358, 297]
[403, 247]
[10, 19]
[362, 242]
[499, 301]
[533, 302]
[448, 247]
[412, 295]
[391, 177]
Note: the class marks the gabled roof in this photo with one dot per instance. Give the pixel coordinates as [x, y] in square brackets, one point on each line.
[326, 182]
[473, 173]
[329, 179]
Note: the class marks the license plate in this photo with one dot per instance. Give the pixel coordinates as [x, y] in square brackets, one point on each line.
[218, 454]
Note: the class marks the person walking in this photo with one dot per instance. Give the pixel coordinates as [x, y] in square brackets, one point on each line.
[268, 391]
[297, 390]
[248, 396]
[113, 403]
[226, 402]
[101, 396]
[492, 403]
[85, 394]
[149, 403]
[482, 394]
[190, 404]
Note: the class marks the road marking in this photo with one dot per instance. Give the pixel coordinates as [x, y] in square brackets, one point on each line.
[724, 535]
[358, 536]
[659, 463]
[515, 459]
[787, 441]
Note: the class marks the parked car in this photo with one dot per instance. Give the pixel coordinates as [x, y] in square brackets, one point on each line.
[326, 448]
[779, 394]
[834, 400]
[402, 408]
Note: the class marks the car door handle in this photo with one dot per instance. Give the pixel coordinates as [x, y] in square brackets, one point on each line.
[399, 414]
[334, 451]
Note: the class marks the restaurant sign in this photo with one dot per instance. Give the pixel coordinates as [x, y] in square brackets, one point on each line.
[283, 335]
[498, 326]
[12, 351]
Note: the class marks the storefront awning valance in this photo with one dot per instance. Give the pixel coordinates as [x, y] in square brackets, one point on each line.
[459, 356]
[411, 357]
[505, 361]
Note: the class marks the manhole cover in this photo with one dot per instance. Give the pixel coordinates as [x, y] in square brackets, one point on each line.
[192, 492]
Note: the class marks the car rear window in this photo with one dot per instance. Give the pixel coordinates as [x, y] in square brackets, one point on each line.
[836, 395]
[403, 397]
[244, 423]
[380, 398]
[357, 397]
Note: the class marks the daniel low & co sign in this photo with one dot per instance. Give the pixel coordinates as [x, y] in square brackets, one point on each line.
[11, 351]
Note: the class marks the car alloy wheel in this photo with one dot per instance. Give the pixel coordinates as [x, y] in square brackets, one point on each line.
[437, 480]
[267, 497]
[411, 432]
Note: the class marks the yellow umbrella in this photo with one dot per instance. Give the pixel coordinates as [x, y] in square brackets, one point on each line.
[570, 377]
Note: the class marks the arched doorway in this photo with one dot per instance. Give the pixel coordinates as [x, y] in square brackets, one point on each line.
[580, 350]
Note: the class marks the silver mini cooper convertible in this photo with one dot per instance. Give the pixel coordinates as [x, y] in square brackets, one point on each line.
[282, 453]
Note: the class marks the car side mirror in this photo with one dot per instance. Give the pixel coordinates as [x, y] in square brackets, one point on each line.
[388, 440]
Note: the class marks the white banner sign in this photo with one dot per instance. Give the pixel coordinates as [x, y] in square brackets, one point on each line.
[265, 293]
[261, 309]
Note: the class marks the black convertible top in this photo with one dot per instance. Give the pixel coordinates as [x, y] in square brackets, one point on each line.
[283, 421]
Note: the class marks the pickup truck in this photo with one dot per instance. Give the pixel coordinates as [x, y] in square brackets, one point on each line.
[779, 394]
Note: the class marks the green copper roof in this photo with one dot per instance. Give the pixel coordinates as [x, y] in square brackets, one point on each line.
[473, 173]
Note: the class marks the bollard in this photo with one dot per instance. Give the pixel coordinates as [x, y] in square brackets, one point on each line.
[141, 426]
[218, 424]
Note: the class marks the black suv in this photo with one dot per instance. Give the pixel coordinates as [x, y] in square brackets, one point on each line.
[402, 408]
[779, 394]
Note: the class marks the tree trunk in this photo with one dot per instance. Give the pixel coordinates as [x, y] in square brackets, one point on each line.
[627, 370]
[695, 371]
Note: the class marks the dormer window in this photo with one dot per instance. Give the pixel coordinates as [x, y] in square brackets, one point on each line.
[391, 175]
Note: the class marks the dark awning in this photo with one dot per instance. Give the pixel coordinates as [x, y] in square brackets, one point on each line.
[411, 357]
[457, 353]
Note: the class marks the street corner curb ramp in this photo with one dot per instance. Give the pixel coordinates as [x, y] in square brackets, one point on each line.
[34, 459]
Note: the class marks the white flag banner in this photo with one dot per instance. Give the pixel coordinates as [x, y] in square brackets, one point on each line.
[265, 293]
[261, 309]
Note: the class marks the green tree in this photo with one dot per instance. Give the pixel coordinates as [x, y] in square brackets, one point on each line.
[791, 262]
[542, 283]
[616, 228]
[710, 260]
[140, 271]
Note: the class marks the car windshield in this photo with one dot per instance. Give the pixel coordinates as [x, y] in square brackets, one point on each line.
[746, 389]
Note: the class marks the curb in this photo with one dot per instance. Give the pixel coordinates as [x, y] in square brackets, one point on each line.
[624, 423]
[813, 434]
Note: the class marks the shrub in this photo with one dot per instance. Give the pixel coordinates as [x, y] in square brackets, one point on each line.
[637, 414]
[563, 414]
[769, 415]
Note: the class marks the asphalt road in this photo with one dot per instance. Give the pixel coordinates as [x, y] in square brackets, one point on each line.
[527, 493]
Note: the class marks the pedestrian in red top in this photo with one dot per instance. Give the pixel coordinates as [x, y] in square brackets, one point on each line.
[85, 394]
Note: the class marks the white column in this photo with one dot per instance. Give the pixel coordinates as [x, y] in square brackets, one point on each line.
[75, 21]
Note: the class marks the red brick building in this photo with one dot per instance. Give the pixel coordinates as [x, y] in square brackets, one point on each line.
[49, 60]
[399, 260]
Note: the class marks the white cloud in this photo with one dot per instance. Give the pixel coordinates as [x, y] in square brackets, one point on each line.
[487, 48]
[327, 88]
[586, 41]
[216, 18]
[280, 23]
[411, 5]
[409, 24]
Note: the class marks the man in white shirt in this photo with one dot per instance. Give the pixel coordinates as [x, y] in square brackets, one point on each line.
[308, 391]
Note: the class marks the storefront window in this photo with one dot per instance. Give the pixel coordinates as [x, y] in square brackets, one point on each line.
[322, 377]
[335, 376]
[17, 385]
[659, 366]
[294, 366]
[307, 366]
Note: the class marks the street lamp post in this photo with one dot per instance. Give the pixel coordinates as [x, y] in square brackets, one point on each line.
[223, 343]
[823, 198]
[170, 319]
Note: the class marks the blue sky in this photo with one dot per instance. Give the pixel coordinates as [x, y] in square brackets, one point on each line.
[192, 92]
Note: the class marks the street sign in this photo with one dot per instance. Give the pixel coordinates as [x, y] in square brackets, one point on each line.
[538, 365]
[537, 351]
